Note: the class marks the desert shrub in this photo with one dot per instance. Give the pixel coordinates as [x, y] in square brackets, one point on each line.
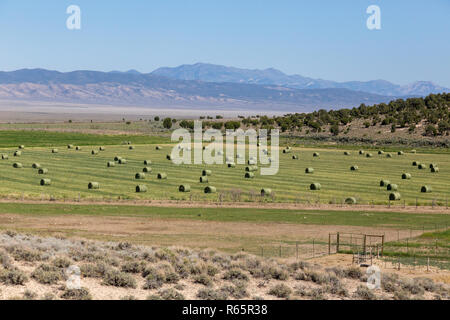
[172, 277]
[133, 267]
[364, 293]
[427, 284]
[353, 273]
[13, 277]
[180, 287]
[269, 272]
[338, 271]
[237, 291]
[317, 294]
[76, 294]
[154, 297]
[47, 274]
[171, 294]
[401, 295]
[300, 275]
[154, 280]
[48, 296]
[61, 262]
[203, 279]
[124, 246]
[389, 282]
[149, 257]
[119, 279]
[165, 254]
[336, 288]
[280, 291]
[221, 260]
[411, 286]
[97, 270]
[235, 274]
[5, 260]
[29, 295]
[22, 254]
[316, 277]
[302, 265]
[182, 269]
[128, 297]
[211, 270]
[211, 294]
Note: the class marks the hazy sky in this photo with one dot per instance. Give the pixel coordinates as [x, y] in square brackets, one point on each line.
[322, 39]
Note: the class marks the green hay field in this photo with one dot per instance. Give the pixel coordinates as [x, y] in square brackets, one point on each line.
[70, 172]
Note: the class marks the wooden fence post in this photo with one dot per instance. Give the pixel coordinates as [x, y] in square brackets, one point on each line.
[329, 243]
[337, 242]
[364, 244]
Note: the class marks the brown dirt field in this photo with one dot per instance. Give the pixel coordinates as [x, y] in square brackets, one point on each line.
[195, 234]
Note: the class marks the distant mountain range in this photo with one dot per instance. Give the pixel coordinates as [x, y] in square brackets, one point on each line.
[200, 86]
[217, 73]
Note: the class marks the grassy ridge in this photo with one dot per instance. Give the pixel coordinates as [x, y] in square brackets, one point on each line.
[325, 217]
[12, 138]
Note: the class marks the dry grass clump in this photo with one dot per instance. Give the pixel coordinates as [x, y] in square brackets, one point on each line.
[171, 294]
[235, 274]
[22, 254]
[211, 294]
[364, 293]
[119, 279]
[13, 277]
[47, 274]
[133, 267]
[280, 291]
[238, 290]
[204, 280]
[76, 294]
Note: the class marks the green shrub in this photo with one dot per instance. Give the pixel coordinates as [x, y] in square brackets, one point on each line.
[119, 279]
[46, 274]
[211, 294]
[235, 274]
[13, 277]
[76, 294]
[364, 293]
[171, 294]
[203, 279]
[280, 291]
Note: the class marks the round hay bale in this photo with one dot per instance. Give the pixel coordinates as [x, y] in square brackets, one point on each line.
[5, 157]
[384, 183]
[111, 164]
[251, 168]
[206, 172]
[231, 165]
[416, 164]
[295, 157]
[17, 153]
[406, 176]
[117, 158]
[77, 148]
[141, 188]
[184, 188]
[130, 148]
[54, 150]
[434, 169]
[251, 162]
[421, 166]
[400, 153]
[21, 147]
[70, 146]
[432, 165]
[36, 166]
[158, 148]
[17, 165]
[354, 168]
[43, 171]
[210, 189]
[204, 179]
[249, 175]
[361, 152]
[102, 149]
[395, 196]
[93, 185]
[350, 200]
[315, 186]
[147, 162]
[392, 187]
[266, 192]
[45, 182]
[380, 152]
[346, 153]
[147, 169]
[413, 151]
[139, 176]
[287, 150]
[309, 170]
[169, 157]
[426, 189]
[122, 161]
[162, 176]
[94, 152]
[388, 155]
[316, 154]
[369, 155]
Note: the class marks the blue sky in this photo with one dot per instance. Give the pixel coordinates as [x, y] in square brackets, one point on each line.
[325, 39]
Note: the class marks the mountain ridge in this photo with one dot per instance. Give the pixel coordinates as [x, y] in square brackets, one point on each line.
[270, 76]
